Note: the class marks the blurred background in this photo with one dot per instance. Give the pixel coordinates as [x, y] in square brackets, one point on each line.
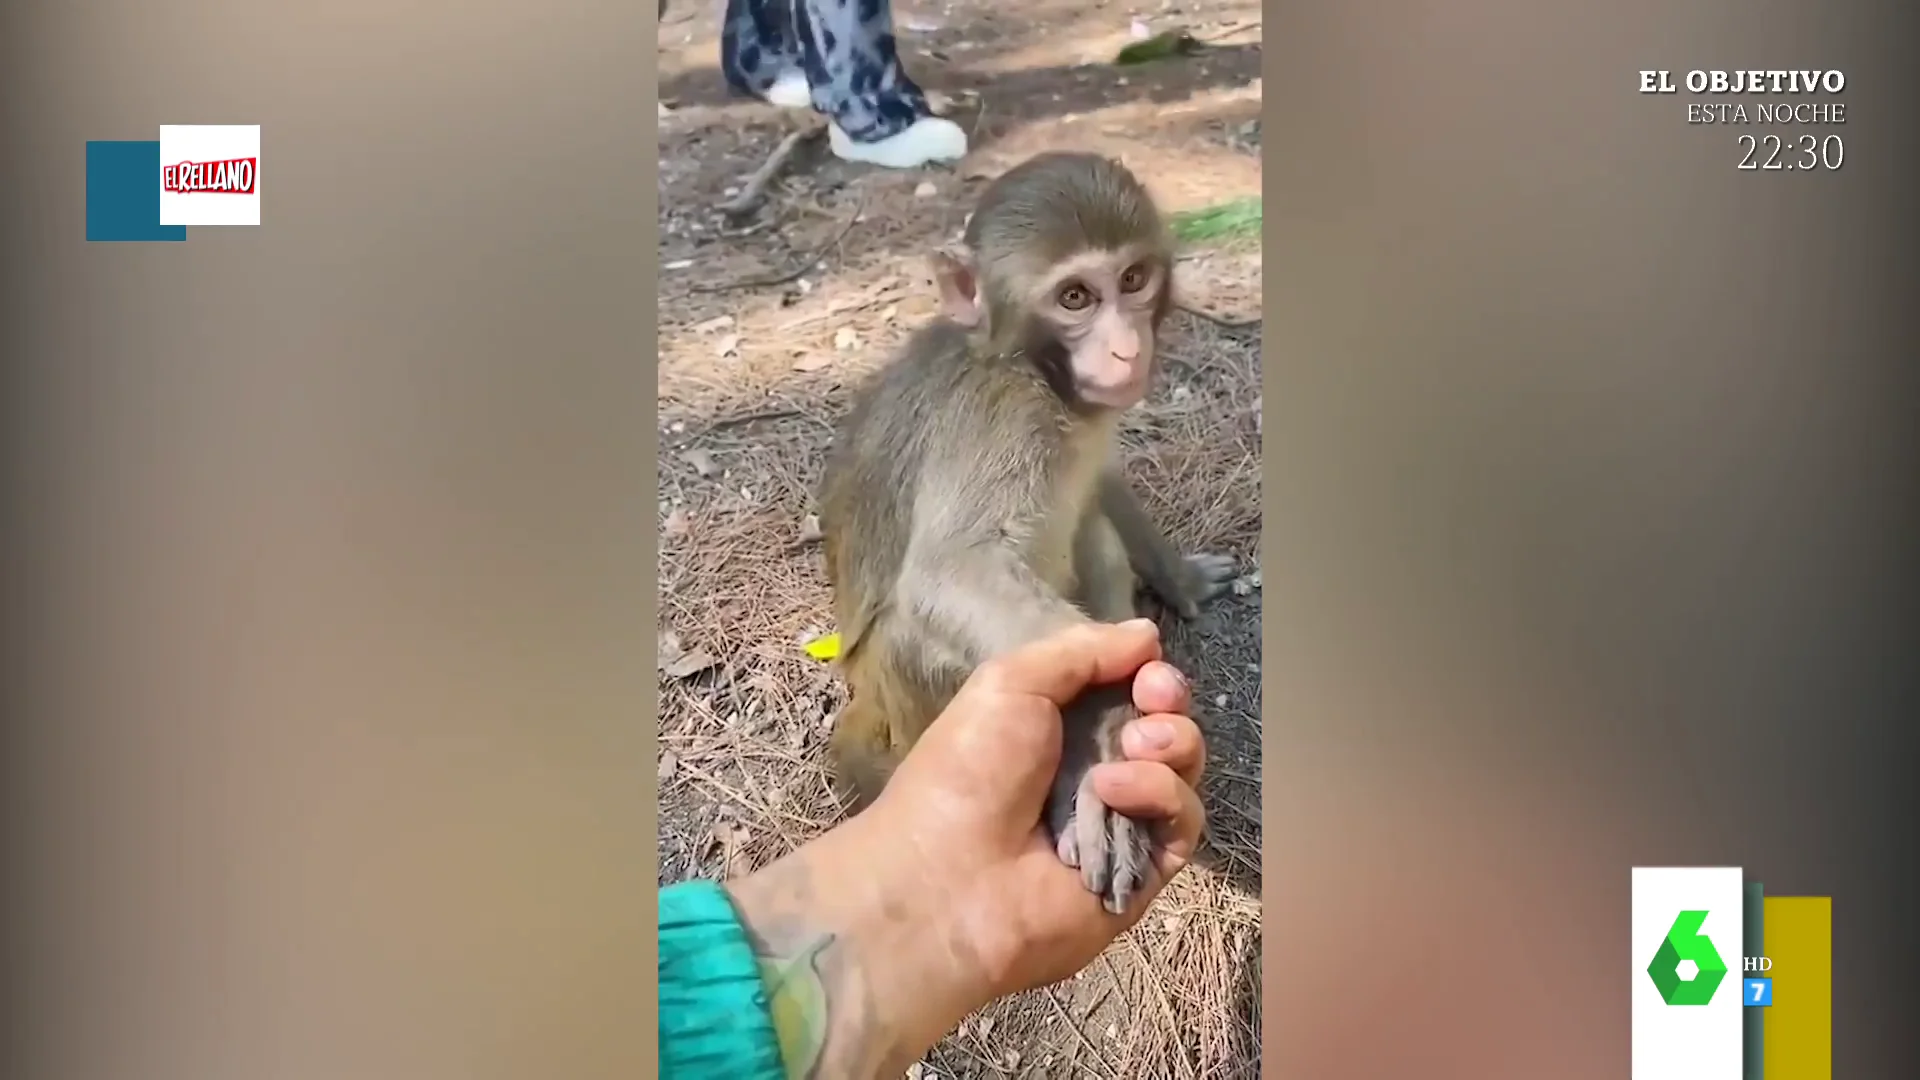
[1588, 527]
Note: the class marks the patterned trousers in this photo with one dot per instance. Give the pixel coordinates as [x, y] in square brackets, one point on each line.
[844, 47]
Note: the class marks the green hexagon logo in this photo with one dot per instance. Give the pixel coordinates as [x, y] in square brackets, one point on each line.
[1685, 943]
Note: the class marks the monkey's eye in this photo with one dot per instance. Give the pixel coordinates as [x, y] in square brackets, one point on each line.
[1075, 297]
[1134, 278]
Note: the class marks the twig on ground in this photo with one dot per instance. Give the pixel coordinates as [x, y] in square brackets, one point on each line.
[751, 230]
[1232, 31]
[806, 264]
[1073, 1028]
[1150, 975]
[1218, 320]
[744, 418]
[973, 136]
[953, 207]
[754, 191]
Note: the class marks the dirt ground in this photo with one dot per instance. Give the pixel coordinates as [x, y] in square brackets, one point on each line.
[768, 321]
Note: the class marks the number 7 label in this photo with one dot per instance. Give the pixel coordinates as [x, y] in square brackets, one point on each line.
[1758, 992]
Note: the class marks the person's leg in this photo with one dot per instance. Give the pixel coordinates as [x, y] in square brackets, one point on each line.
[839, 57]
[759, 54]
[878, 114]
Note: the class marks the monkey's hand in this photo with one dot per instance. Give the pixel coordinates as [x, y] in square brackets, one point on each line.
[1196, 580]
[1182, 582]
[1113, 852]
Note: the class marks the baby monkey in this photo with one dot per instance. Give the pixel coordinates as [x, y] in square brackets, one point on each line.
[973, 500]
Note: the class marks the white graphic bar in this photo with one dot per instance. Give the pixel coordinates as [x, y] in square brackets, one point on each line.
[1698, 1036]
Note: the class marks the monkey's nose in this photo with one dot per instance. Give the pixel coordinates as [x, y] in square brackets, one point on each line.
[1120, 372]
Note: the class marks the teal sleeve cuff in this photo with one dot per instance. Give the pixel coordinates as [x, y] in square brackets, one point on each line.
[713, 1010]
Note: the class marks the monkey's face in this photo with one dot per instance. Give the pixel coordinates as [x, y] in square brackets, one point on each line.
[1103, 308]
[1065, 261]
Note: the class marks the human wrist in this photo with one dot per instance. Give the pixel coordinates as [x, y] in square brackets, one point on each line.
[864, 973]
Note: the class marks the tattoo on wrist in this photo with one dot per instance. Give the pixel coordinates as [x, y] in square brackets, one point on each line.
[824, 1016]
[797, 1002]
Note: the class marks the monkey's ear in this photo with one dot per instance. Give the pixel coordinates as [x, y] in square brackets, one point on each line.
[959, 285]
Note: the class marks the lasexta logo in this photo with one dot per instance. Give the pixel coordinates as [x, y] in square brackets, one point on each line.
[1685, 944]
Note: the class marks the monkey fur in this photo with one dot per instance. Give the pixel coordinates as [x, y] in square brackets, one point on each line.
[973, 500]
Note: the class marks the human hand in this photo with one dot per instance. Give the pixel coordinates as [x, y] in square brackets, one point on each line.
[961, 814]
[947, 893]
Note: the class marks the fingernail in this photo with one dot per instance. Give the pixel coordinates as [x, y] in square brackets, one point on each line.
[1151, 734]
[1185, 683]
[1142, 624]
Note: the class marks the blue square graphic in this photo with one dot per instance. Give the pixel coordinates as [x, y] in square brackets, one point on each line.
[123, 192]
[1756, 993]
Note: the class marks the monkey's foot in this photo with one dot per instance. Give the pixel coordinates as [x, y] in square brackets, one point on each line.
[1113, 852]
[931, 138]
[790, 91]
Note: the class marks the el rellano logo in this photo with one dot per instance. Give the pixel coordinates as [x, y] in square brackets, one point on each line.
[192, 175]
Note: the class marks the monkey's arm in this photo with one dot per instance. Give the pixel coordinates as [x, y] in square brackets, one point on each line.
[980, 599]
[1171, 576]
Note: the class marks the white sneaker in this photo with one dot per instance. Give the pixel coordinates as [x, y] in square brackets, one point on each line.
[931, 138]
[790, 91]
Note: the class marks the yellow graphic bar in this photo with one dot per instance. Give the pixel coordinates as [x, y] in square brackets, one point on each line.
[1798, 1033]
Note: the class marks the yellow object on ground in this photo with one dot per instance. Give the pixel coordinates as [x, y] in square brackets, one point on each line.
[825, 647]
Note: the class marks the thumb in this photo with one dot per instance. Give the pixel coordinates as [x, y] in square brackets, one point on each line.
[1058, 667]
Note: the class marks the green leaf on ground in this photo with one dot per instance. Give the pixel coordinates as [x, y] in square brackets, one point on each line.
[1223, 221]
[1159, 47]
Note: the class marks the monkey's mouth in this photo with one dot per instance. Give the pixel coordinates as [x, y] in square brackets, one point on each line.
[1120, 395]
